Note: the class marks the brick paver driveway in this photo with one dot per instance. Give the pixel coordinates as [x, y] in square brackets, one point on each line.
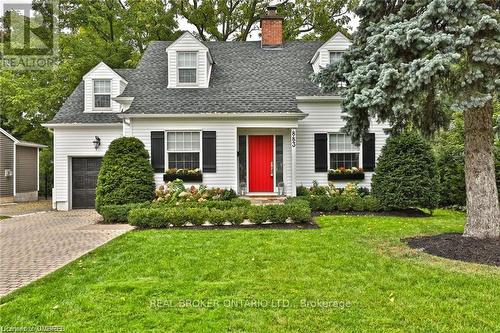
[34, 245]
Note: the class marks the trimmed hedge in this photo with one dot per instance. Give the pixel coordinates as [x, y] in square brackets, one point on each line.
[343, 203]
[154, 217]
[119, 213]
[126, 175]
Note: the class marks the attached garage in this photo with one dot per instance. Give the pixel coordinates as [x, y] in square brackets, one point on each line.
[84, 172]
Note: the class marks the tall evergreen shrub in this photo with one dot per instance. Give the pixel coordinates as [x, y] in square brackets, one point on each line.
[126, 175]
[405, 175]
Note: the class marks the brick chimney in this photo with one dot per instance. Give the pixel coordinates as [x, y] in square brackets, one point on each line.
[272, 29]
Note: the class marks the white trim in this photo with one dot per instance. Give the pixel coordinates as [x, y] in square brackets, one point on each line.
[293, 190]
[38, 170]
[21, 143]
[254, 115]
[187, 33]
[100, 108]
[319, 99]
[82, 124]
[360, 152]
[30, 144]
[178, 68]
[316, 54]
[123, 99]
[200, 152]
[7, 134]
[105, 65]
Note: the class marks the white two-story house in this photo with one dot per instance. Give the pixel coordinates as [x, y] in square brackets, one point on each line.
[245, 113]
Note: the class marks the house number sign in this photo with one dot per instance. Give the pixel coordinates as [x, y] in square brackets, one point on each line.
[294, 138]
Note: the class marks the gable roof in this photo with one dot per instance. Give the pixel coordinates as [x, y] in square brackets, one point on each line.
[245, 79]
[21, 142]
[188, 35]
[106, 67]
[338, 37]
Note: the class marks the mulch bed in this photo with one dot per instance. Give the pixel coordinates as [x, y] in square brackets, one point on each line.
[310, 225]
[411, 212]
[454, 246]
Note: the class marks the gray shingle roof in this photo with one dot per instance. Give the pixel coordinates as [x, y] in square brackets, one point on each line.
[245, 78]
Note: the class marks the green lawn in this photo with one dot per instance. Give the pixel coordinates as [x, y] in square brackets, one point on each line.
[140, 280]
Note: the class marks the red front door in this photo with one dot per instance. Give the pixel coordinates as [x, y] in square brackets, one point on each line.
[260, 164]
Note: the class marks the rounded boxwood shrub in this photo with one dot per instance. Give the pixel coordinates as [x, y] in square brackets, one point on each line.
[126, 176]
[148, 218]
[119, 213]
[217, 216]
[405, 175]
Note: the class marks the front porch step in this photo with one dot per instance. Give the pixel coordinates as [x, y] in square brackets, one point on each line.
[265, 200]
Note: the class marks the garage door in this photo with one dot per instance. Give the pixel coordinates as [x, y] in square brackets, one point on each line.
[84, 181]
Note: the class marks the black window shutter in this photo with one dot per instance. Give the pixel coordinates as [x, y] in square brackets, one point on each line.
[209, 148]
[158, 151]
[320, 152]
[369, 152]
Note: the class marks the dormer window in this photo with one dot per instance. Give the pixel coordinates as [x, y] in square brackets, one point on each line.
[335, 56]
[187, 66]
[102, 94]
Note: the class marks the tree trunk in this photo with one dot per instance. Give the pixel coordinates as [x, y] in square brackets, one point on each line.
[483, 212]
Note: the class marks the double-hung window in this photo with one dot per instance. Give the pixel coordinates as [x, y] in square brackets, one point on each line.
[335, 56]
[343, 153]
[187, 66]
[183, 150]
[102, 94]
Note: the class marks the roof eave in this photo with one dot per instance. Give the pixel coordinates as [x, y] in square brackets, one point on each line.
[319, 99]
[55, 125]
[30, 144]
[294, 115]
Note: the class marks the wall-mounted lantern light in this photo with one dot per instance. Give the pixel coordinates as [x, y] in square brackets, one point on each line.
[97, 142]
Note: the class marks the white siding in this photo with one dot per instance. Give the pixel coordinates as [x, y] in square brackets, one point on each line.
[337, 43]
[188, 42]
[226, 132]
[325, 118]
[70, 142]
[102, 71]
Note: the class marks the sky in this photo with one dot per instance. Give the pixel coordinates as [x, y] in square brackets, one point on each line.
[254, 35]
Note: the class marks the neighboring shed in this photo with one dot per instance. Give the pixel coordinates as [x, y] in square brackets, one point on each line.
[19, 169]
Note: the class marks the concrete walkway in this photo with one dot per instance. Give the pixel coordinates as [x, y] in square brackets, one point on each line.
[31, 246]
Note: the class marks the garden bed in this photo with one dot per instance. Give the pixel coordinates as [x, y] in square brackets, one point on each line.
[455, 246]
[290, 226]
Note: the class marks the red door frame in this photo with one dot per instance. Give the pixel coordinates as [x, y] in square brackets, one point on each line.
[261, 161]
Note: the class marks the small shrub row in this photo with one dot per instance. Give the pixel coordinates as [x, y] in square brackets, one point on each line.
[298, 212]
[343, 203]
[119, 213]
